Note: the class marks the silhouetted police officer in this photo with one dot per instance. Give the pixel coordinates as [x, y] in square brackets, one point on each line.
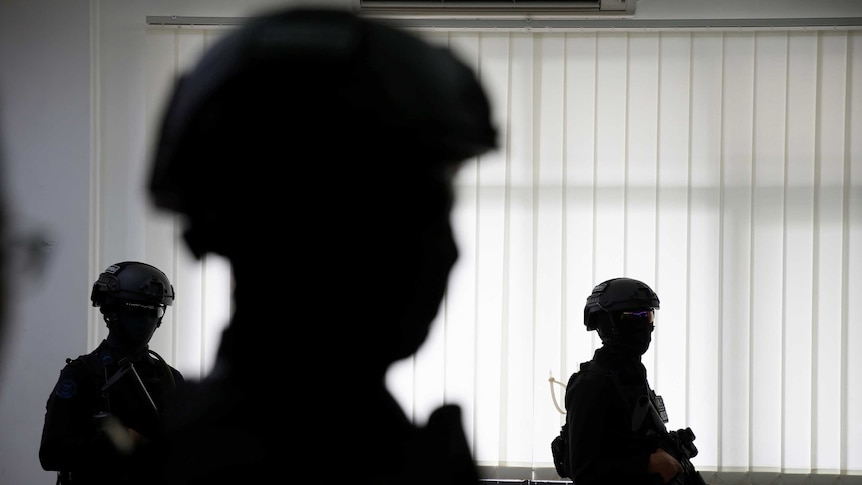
[102, 420]
[615, 421]
[316, 151]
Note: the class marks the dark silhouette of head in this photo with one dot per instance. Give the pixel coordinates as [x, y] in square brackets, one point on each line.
[622, 311]
[315, 150]
[132, 297]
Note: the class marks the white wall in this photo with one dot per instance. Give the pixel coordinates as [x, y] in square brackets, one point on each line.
[45, 124]
[71, 93]
[50, 70]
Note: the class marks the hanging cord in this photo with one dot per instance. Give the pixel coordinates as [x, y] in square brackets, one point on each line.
[166, 369]
[551, 382]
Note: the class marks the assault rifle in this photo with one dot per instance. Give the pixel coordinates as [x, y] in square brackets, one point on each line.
[115, 430]
[126, 366]
[679, 444]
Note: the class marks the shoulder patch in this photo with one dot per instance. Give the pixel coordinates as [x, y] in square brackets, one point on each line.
[66, 388]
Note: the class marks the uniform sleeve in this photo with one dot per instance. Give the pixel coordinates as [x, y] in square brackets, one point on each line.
[602, 448]
[71, 440]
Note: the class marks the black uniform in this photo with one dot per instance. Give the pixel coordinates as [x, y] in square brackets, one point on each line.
[603, 447]
[75, 440]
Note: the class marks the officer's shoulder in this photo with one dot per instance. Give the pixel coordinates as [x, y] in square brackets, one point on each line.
[89, 362]
[76, 362]
[72, 376]
[591, 373]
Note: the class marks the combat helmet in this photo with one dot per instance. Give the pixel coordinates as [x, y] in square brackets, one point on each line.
[302, 92]
[132, 282]
[617, 295]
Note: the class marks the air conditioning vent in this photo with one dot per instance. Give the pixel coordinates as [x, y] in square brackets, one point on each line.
[478, 9]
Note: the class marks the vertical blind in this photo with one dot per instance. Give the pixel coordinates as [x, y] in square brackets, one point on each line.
[722, 168]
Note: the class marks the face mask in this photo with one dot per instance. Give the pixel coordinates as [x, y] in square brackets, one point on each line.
[635, 341]
[135, 331]
[631, 332]
[134, 325]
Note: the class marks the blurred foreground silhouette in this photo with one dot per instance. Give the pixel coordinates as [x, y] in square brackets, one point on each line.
[315, 150]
